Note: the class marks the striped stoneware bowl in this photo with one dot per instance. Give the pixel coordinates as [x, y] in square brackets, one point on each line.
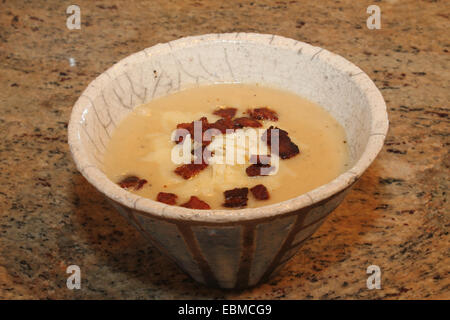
[229, 248]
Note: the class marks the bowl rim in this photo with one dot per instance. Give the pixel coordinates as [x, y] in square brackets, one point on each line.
[379, 126]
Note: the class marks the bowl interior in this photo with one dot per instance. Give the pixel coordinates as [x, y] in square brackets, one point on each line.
[337, 85]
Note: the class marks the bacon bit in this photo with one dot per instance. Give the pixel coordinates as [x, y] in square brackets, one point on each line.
[246, 122]
[225, 112]
[196, 203]
[167, 198]
[140, 184]
[236, 197]
[200, 152]
[181, 134]
[205, 123]
[190, 128]
[287, 149]
[258, 162]
[260, 192]
[260, 158]
[255, 170]
[205, 126]
[223, 124]
[263, 114]
[132, 182]
[187, 171]
[207, 135]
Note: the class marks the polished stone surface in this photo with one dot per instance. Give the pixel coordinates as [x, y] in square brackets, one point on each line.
[396, 217]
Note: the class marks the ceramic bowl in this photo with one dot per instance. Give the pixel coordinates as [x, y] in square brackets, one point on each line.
[229, 248]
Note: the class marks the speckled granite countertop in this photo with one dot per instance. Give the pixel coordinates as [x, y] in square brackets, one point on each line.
[397, 216]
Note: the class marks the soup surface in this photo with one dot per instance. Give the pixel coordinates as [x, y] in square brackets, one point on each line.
[143, 146]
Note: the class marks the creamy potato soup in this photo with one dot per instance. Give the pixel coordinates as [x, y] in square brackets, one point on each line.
[226, 146]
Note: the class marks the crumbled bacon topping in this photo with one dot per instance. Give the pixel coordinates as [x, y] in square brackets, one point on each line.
[260, 158]
[259, 162]
[227, 122]
[196, 203]
[260, 192]
[223, 124]
[236, 197]
[181, 134]
[225, 112]
[263, 113]
[256, 170]
[167, 198]
[246, 122]
[187, 171]
[205, 126]
[287, 148]
[132, 182]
